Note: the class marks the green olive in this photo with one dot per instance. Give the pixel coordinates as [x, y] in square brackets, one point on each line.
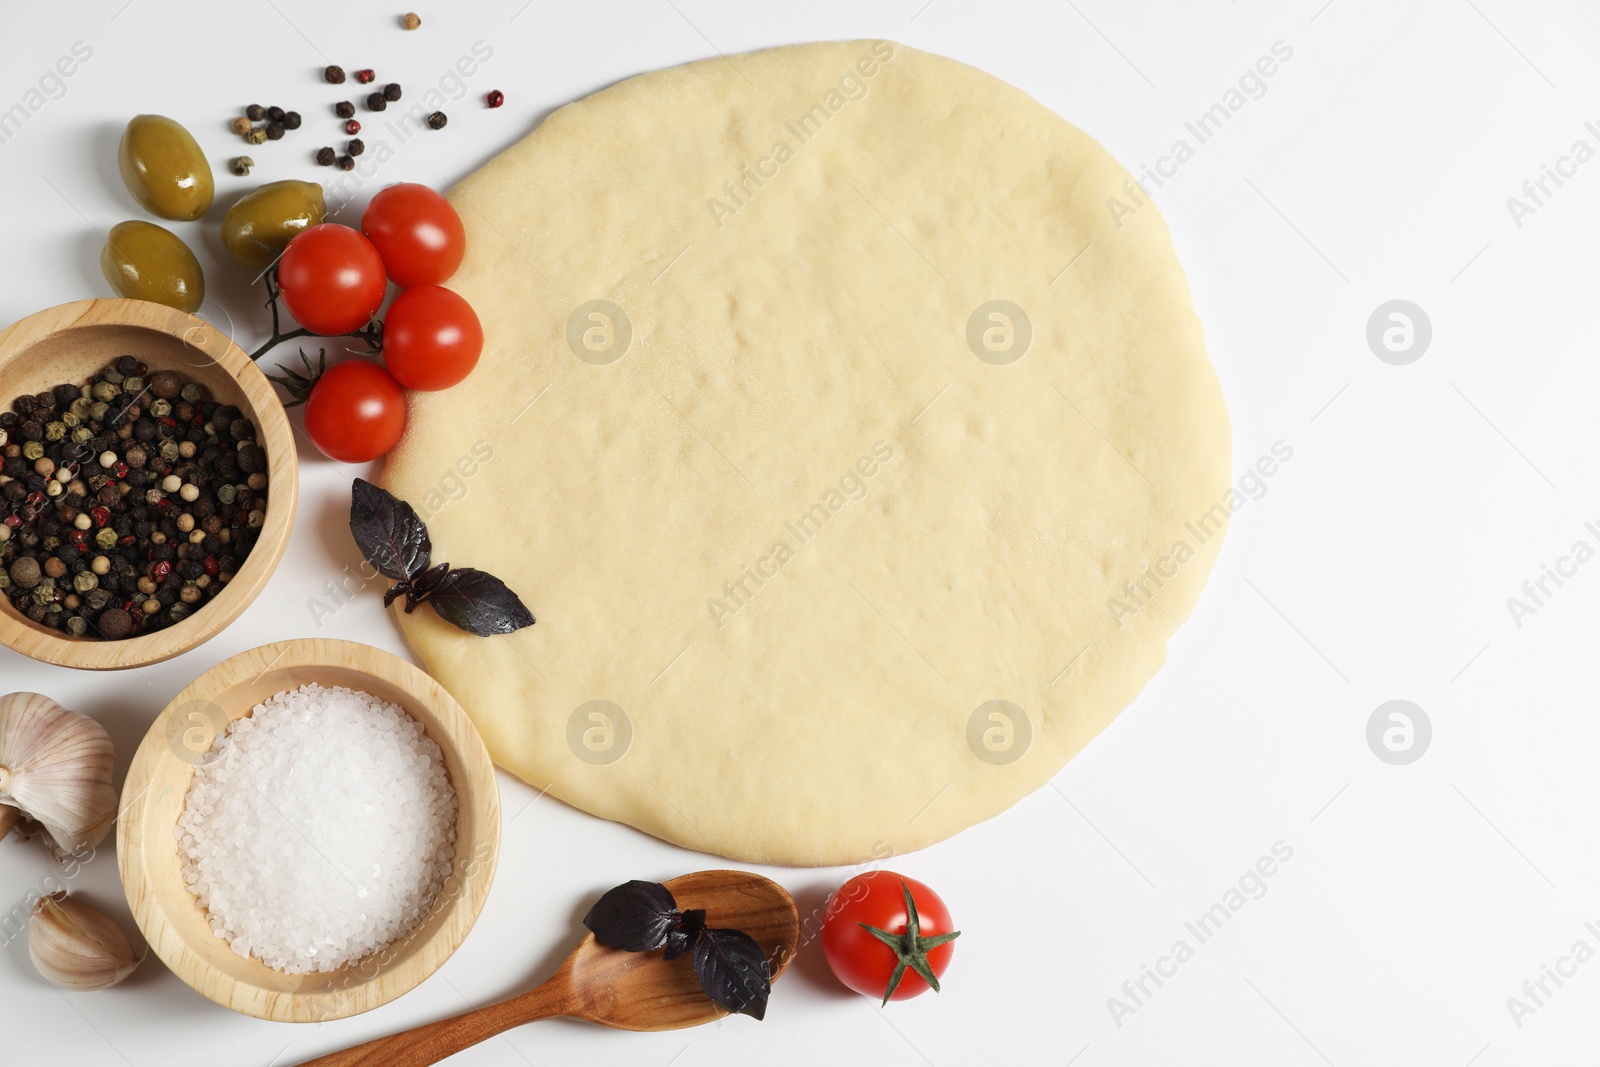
[261, 223]
[164, 169]
[143, 261]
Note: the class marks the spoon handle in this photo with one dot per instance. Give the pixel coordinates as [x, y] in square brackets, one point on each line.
[438, 1040]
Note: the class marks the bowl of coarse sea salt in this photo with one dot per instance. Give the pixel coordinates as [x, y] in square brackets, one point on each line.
[309, 830]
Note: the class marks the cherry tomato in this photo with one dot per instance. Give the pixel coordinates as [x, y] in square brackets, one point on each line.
[431, 338]
[417, 232]
[355, 412]
[332, 279]
[887, 936]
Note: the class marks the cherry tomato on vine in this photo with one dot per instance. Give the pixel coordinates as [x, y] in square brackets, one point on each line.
[417, 232]
[887, 936]
[332, 279]
[431, 338]
[356, 412]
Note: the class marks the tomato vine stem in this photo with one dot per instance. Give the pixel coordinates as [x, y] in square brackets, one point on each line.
[371, 333]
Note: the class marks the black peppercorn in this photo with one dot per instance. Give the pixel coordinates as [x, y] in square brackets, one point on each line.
[437, 120]
[274, 131]
[376, 102]
[255, 112]
[346, 163]
[275, 114]
[291, 120]
[391, 92]
[325, 156]
[345, 109]
[334, 75]
[356, 147]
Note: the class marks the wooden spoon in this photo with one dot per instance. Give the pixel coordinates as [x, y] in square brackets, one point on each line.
[625, 990]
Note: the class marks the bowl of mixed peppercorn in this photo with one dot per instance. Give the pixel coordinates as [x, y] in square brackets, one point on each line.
[147, 483]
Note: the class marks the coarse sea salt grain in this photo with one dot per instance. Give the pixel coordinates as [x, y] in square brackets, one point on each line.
[319, 829]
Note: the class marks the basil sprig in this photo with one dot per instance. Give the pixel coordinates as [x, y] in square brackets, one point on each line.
[396, 542]
[643, 916]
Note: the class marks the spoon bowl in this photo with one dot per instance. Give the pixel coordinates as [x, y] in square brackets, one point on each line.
[622, 990]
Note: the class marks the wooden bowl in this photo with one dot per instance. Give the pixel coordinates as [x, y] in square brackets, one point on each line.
[68, 344]
[158, 782]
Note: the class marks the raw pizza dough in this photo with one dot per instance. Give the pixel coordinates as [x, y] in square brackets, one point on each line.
[789, 548]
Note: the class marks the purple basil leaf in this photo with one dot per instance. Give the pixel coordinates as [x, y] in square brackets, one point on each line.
[479, 603]
[683, 935]
[388, 532]
[635, 916]
[429, 580]
[678, 942]
[732, 970]
[395, 592]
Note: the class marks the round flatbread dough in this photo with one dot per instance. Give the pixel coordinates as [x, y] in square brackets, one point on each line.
[844, 419]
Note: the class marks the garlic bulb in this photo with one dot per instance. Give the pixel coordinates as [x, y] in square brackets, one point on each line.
[55, 767]
[76, 947]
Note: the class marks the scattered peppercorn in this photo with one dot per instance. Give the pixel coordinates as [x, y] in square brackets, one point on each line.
[366, 75]
[240, 126]
[376, 102]
[344, 109]
[391, 92]
[241, 165]
[291, 120]
[257, 135]
[275, 114]
[274, 131]
[410, 20]
[334, 75]
[495, 98]
[437, 120]
[356, 147]
[346, 163]
[325, 157]
[352, 127]
[138, 516]
[255, 112]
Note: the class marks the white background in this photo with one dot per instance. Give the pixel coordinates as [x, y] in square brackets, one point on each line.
[1376, 566]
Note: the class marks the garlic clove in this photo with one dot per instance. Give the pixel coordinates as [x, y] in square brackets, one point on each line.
[55, 768]
[76, 947]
